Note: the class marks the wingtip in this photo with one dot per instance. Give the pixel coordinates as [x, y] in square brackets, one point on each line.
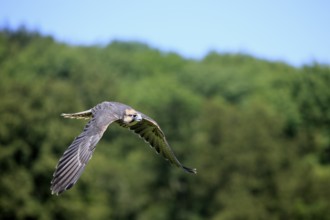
[190, 170]
[56, 192]
[53, 192]
[65, 115]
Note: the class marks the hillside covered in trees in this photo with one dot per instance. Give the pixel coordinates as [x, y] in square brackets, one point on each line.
[258, 133]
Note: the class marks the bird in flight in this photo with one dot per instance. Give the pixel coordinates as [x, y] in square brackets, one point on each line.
[73, 162]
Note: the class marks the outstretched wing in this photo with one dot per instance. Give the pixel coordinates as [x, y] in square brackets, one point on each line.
[149, 130]
[75, 158]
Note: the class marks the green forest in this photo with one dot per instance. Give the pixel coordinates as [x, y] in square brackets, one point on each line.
[257, 131]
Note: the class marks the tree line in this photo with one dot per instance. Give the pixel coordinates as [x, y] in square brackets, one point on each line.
[257, 131]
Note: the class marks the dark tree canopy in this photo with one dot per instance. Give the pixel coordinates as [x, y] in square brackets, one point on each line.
[257, 131]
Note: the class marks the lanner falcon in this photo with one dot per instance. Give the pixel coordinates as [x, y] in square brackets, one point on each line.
[72, 163]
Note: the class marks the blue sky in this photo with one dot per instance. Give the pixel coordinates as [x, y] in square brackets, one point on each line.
[293, 31]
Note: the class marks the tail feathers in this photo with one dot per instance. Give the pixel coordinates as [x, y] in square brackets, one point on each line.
[79, 115]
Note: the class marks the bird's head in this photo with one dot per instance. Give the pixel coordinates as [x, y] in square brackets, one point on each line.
[131, 117]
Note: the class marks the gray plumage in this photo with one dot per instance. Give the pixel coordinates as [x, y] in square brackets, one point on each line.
[72, 163]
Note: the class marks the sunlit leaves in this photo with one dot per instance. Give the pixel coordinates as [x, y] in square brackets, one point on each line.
[257, 132]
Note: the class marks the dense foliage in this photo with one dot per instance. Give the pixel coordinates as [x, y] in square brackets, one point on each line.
[257, 131]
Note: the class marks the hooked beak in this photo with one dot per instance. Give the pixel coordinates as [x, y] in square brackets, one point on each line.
[138, 117]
